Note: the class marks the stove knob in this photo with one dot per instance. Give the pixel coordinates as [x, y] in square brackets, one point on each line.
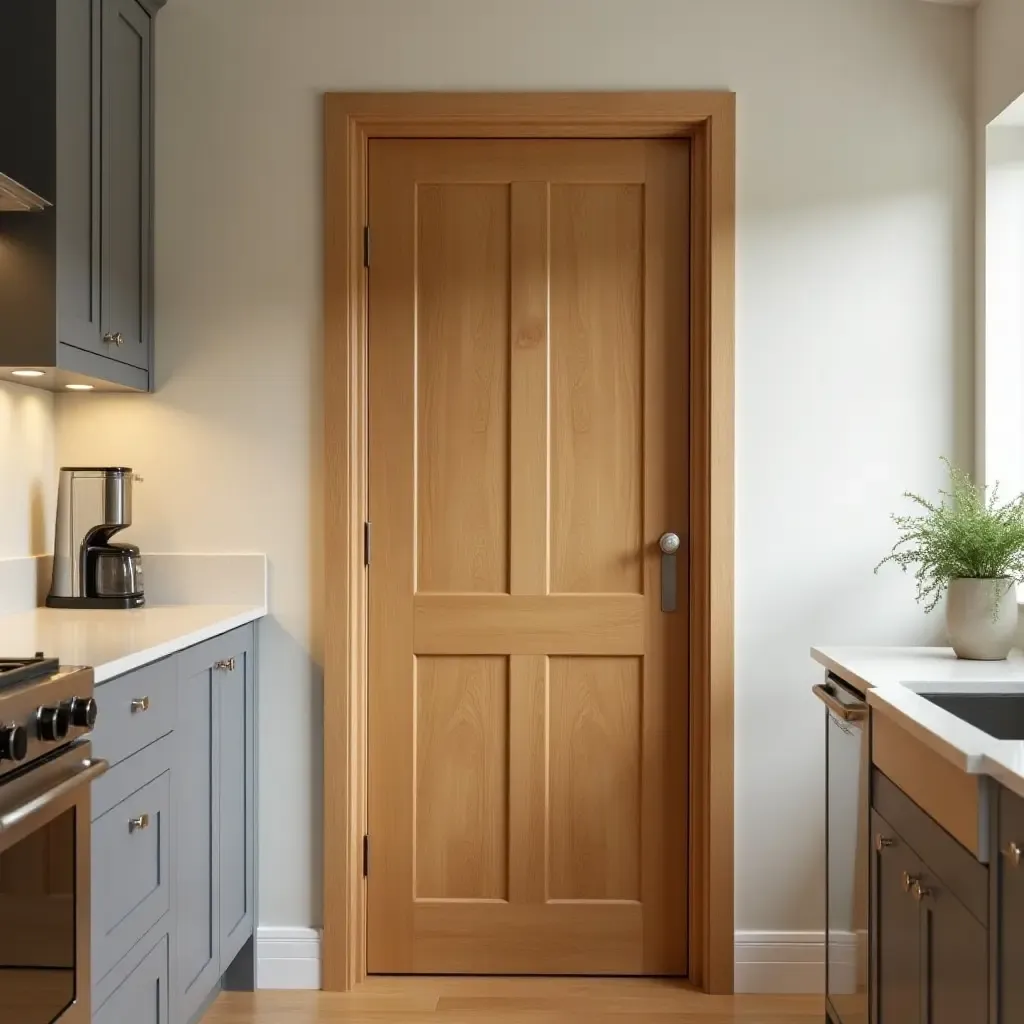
[83, 712]
[53, 723]
[13, 743]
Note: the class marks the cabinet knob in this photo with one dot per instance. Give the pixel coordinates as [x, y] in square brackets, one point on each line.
[113, 338]
[140, 704]
[882, 842]
[909, 881]
[1012, 853]
[919, 892]
[138, 824]
[227, 665]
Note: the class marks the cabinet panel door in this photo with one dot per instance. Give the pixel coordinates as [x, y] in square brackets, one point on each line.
[126, 180]
[78, 173]
[1010, 907]
[235, 690]
[956, 954]
[198, 813]
[142, 997]
[897, 954]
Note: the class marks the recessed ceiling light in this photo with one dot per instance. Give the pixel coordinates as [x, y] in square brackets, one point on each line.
[78, 387]
[27, 373]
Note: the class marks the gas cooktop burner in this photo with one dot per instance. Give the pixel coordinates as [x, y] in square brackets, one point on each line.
[14, 671]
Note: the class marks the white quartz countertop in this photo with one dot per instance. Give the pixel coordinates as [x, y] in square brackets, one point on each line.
[115, 642]
[894, 679]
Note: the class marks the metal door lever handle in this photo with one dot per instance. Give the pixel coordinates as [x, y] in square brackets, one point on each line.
[669, 544]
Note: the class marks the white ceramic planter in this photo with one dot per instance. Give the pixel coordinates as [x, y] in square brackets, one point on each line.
[981, 618]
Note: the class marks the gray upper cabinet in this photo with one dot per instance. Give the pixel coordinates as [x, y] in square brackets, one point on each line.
[127, 182]
[77, 291]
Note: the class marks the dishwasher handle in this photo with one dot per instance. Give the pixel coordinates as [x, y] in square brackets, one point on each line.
[847, 712]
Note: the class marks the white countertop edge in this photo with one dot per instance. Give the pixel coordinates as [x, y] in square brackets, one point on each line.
[107, 670]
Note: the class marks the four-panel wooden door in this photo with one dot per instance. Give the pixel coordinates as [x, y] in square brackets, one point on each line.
[528, 446]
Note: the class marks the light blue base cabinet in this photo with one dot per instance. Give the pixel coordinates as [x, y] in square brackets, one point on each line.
[174, 834]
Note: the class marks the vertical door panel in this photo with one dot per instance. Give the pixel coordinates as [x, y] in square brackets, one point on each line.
[528, 355]
[78, 173]
[195, 853]
[1010, 906]
[596, 388]
[127, 180]
[236, 773]
[594, 795]
[462, 778]
[462, 357]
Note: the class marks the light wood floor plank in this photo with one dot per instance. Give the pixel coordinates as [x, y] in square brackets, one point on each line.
[508, 1000]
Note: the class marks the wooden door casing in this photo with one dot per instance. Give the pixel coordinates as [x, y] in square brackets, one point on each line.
[528, 415]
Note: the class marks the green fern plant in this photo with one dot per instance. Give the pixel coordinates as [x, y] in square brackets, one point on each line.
[967, 534]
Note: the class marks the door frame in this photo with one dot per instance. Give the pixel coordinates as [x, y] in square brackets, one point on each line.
[708, 119]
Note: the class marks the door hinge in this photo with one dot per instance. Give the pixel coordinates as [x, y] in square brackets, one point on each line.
[366, 543]
[366, 246]
[366, 856]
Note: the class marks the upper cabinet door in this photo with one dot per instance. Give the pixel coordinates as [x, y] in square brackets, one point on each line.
[127, 176]
[77, 213]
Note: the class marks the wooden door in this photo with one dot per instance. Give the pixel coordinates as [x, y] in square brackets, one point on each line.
[528, 726]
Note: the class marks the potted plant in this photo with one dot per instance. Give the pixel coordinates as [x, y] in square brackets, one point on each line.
[973, 547]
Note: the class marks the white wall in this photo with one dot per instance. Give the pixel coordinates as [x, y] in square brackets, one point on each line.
[999, 40]
[854, 350]
[27, 471]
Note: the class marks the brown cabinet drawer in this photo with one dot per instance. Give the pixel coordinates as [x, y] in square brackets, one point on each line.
[135, 709]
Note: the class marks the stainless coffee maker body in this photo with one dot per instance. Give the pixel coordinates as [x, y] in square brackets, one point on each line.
[89, 569]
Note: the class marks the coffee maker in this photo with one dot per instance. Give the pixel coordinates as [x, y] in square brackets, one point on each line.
[89, 570]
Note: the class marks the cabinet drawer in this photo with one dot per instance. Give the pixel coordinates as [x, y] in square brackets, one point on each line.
[135, 710]
[131, 856]
[141, 996]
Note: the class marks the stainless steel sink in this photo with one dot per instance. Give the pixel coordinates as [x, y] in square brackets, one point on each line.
[1001, 715]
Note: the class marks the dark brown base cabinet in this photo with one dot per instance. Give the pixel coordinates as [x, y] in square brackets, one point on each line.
[174, 834]
[1008, 903]
[930, 904]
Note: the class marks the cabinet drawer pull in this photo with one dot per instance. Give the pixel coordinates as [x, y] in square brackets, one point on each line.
[138, 824]
[1012, 853]
[140, 704]
[909, 881]
[882, 842]
[114, 338]
[227, 665]
[919, 892]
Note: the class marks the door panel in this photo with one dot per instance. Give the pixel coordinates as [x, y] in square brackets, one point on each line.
[528, 348]
[596, 287]
[461, 778]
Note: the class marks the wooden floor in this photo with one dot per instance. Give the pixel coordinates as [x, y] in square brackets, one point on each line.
[511, 1000]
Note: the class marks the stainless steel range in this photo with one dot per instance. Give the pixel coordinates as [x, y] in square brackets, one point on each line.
[46, 764]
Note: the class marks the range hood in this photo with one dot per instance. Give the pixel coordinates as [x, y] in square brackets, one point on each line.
[17, 198]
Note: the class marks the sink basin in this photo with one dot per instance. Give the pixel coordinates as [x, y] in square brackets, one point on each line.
[1001, 715]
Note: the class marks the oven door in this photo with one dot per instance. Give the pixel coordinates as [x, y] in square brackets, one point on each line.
[44, 890]
[847, 768]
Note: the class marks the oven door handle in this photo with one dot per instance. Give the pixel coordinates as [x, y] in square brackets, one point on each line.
[847, 712]
[83, 772]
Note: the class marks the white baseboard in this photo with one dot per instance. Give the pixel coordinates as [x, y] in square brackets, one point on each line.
[780, 962]
[287, 957]
[766, 962]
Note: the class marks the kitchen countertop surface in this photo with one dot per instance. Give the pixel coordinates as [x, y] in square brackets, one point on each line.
[894, 679]
[115, 642]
